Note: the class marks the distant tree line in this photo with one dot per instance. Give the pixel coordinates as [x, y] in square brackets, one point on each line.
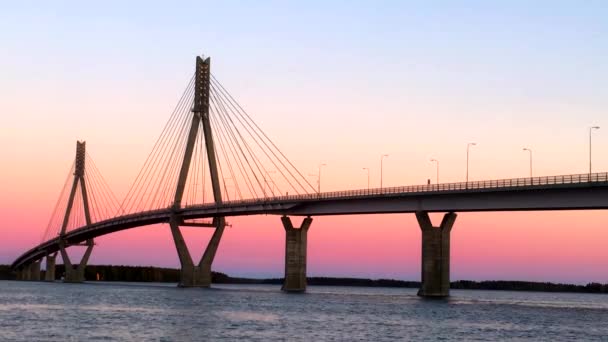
[6, 273]
[512, 285]
[171, 275]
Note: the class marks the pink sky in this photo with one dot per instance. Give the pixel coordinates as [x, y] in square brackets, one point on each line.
[416, 81]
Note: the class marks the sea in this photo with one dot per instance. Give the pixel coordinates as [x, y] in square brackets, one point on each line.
[98, 311]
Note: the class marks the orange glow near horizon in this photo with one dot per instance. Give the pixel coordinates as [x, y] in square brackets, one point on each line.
[412, 80]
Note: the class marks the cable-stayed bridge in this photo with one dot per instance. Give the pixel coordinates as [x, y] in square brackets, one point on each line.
[213, 161]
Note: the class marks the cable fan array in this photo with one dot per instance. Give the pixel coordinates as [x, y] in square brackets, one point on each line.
[250, 165]
[102, 202]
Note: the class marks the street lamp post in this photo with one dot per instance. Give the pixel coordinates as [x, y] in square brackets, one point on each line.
[591, 130]
[319, 179]
[530, 151]
[468, 147]
[367, 169]
[381, 171]
[437, 169]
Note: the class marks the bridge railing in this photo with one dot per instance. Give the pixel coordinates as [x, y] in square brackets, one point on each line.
[441, 187]
[584, 178]
[474, 185]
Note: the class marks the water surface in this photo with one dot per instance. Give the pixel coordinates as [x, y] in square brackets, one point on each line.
[37, 311]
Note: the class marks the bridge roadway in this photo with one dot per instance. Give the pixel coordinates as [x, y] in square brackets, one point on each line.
[568, 192]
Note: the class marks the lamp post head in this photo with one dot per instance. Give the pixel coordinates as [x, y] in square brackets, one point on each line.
[526, 149]
[471, 144]
[434, 160]
[595, 127]
[384, 155]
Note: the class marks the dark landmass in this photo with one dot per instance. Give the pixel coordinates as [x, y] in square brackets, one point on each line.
[171, 275]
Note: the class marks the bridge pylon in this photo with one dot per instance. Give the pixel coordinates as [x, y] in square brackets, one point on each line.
[198, 275]
[75, 273]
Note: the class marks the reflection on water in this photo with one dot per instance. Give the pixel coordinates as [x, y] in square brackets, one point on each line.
[249, 316]
[162, 312]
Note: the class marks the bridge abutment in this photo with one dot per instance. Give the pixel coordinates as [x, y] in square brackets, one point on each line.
[49, 274]
[295, 255]
[435, 277]
[192, 275]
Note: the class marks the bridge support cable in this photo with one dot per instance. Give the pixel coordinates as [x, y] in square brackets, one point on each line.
[225, 159]
[296, 240]
[256, 150]
[57, 216]
[257, 170]
[435, 270]
[252, 150]
[103, 202]
[208, 127]
[241, 116]
[237, 154]
[150, 190]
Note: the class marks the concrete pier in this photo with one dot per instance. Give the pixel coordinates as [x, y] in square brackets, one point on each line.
[75, 274]
[35, 271]
[295, 255]
[26, 272]
[50, 267]
[22, 273]
[435, 278]
[192, 275]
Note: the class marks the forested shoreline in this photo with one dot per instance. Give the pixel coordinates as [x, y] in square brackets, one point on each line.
[171, 275]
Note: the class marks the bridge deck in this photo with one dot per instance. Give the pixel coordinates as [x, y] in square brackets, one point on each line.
[567, 192]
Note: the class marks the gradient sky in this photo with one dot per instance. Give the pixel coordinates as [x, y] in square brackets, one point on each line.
[339, 83]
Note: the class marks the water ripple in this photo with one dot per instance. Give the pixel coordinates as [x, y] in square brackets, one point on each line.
[32, 311]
